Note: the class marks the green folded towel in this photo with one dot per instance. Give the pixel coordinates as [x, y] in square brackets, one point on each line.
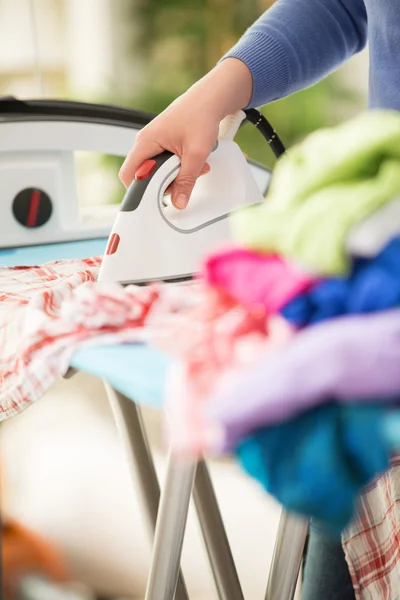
[322, 188]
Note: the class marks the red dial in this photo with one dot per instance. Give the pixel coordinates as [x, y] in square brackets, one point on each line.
[32, 207]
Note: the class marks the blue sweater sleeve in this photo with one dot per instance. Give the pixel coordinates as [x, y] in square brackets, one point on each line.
[296, 43]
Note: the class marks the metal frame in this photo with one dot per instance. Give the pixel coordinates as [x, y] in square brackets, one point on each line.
[167, 515]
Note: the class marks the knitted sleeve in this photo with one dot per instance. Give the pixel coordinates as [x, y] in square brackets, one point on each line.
[296, 43]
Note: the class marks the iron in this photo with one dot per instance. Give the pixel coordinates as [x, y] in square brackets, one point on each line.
[151, 240]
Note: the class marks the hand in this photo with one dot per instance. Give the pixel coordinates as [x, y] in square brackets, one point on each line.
[189, 127]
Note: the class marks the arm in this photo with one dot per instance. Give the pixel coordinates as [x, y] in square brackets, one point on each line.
[296, 43]
[293, 45]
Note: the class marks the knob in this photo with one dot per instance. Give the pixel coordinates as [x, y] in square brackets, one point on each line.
[32, 207]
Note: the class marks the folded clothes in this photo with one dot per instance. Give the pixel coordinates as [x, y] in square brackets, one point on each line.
[319, 462]
[350, 359]
[256, 279]
[370, 236]
[372, 286]
[321, 189]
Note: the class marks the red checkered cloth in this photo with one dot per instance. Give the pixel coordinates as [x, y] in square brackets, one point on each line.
[38, 306]
[372, 541]
[48, 312]
[18, 287]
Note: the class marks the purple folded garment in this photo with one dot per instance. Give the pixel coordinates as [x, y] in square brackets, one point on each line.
[348, 359]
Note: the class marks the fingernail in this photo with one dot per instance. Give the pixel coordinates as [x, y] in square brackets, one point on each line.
[181, 201]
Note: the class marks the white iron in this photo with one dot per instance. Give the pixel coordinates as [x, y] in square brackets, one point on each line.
[154, 241]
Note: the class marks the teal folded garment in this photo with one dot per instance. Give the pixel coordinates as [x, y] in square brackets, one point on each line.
[318, 463]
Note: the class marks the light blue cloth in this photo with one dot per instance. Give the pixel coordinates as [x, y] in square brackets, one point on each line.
[135, 370]
[37, 255]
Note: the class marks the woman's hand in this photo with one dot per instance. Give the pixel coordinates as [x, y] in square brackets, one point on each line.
[189, 126]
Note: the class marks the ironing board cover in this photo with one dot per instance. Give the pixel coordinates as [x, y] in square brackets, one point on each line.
[371, 542]
[143, 382]
[38, 255]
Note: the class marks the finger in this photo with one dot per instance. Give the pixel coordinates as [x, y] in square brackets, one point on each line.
[140, 152]
[191, 166]
[206, 169]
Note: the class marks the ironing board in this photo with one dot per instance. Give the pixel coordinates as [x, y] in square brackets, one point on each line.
[134, 375]
[138, 372]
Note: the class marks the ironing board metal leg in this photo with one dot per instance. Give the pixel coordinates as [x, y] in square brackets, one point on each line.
[287, 558]
[216, 541]
[128, 417]
[170, 530]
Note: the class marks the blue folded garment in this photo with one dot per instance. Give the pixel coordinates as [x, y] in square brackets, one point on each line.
[373, 285]
[317, 464]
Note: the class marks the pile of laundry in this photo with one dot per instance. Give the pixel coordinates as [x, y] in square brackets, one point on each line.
[303, 385]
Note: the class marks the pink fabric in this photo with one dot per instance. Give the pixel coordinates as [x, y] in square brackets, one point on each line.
[256, 279]
[211, 342]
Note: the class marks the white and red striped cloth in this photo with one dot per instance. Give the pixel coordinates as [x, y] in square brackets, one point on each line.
[19, 287]
[372, 541]
[47, 312]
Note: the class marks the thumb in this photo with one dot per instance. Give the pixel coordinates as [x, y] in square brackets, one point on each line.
[192, 164]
